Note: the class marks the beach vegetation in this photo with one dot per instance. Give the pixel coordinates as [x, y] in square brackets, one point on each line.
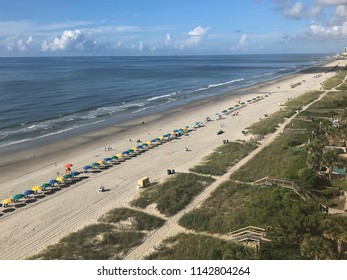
[288, 220]
[93, 242]
[335, 100]
[283, 158]
[335, 80]
[200, 247]
[225, 156]
[174, 194]
[138, 220]
[303, 100]
[270, 124]
[118, 231]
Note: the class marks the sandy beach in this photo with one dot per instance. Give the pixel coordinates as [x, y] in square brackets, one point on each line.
[29, 229]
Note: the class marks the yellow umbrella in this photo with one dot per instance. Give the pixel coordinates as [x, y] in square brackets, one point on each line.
[101, 162]
[119, 155]
[36, 188]
[7, 201]
[161, 137]
[60, 179]
[148, 143]
[134, 148]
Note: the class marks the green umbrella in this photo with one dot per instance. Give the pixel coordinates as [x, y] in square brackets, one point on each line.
[45, 185]
[17, 196]
[95, 164]
[114, 157]
[67, 176]
[144, 144]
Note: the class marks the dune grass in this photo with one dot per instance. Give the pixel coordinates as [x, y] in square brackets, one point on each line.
[303, 100]
[332, 100]
[225, 156]
[174, 194]
[283, 158]
[103, 240]
[335, 80]
[200, 247]
[271, 123]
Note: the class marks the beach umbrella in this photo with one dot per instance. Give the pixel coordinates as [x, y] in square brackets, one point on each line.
[67, 176]
[134, 149]
[119, 155]
[17, 196]
[27, 192]
[68, 165]
[148, 143]
[95, 164]
[249, 100]
[60, 179]
[114, 158]
[224, 111]
[7, 201]
[52, 182]
[139, 147]
[130, 151]
[144, 144]
[75, 173]
[254, 98]
[36, 188]
[45, 186]
[243, 103]
[158, 138]
[153, 140]
[87, 167]
[101, 162]
[107, 159]
[175, 130]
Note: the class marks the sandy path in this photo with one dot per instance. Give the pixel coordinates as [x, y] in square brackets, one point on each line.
[30, 229]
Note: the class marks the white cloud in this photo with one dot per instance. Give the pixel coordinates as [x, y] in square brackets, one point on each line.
[294, 11]
[168, 40]
[19, 44]
[70, 40]
[195, 38]
[141, 46]
[198, 31]
[242, 45]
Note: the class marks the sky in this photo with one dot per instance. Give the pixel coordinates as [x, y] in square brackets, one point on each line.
[171, 27]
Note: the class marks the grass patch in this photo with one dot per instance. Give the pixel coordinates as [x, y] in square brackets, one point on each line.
[271, 123]
[288, 220]
[305, 99]
[104, 240]
[341, 184]
[200, 247]
[332, 100]
[174, 194]
[283, 158]
[335, 80]
[140, 220]
[94, 242]
[224, 157]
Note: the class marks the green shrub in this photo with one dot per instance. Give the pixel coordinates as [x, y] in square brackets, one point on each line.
[174, 194]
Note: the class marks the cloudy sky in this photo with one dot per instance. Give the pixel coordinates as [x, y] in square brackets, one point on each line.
[171, 27]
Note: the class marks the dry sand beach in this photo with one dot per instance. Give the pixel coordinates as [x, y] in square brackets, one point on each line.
[29, 229]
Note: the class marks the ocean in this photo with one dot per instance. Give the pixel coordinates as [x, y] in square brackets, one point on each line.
[43, 97]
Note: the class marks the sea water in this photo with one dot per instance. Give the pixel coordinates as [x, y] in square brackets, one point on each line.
[45, 96]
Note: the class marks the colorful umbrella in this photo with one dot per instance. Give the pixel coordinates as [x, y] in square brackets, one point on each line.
[95, 164]
[144, 144]
[107, 159]
[36, 188]
[17, 196]
[67, 176]
[114, 158]
[7, 201]
[75, 173]
[125, 153]
[27, 192]
[45, 186]
[60, 179]
[68, 165]
[139, 147]
[87, 167]
[101, 162]
[52, 182]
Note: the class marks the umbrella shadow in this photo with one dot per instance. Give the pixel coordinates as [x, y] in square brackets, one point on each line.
[1, 214]
[20, 205]
[51, 191]
[39, 196]
[8, 210]
[30, 200]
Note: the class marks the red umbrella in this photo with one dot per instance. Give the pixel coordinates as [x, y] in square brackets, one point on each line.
[68, 165]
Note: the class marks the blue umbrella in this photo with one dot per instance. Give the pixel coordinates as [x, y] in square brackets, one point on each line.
[139, 147]
[87, 167]
[125, 153]
[53, 182]
[75, 173]
[107, 159]
[175, 130]
[28, 192]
